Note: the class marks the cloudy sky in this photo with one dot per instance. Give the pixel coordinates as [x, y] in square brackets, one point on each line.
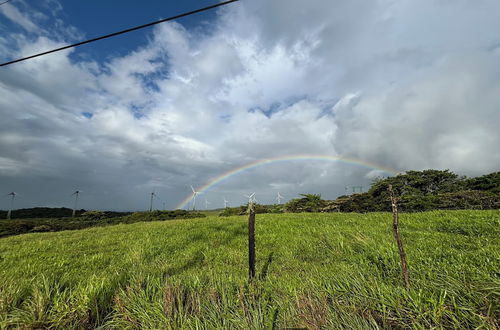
[396, 84]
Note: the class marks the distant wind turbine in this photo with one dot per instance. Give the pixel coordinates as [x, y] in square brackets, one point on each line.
[225, 202]
[153, 195]
[251, 198]
[194, 197]
[206, 204]
[13, 194]
[279, 197]
[76, 193]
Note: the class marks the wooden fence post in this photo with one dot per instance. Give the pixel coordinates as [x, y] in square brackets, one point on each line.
[251, 241]
[397, 236]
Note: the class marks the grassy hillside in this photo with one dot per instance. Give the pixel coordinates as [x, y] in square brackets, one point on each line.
[315, 270]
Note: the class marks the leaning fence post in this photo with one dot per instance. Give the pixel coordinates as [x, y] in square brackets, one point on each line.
[251, 240]
[397, 236]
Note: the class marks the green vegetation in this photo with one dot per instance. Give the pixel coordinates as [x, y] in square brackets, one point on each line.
[417, 190]
[328, 270]
[489, 182]
[89, 219]
[308, 203]
[41, 212]
[259, 209]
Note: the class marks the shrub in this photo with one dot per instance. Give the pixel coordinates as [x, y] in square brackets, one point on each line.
[42, 228]
[93, 215]
[308, 203]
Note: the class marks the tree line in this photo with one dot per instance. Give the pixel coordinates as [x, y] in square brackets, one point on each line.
[416, 191]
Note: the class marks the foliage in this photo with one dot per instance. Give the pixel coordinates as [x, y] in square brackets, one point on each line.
[468, 199]
[362, 202]
[423, 191]
[231, 211]
[89, 219]
[93, 215]
[308, 203]
[41, 212]
[330, 271]
[276, 208]
[489, 182]
[418, 183]
[243, 209]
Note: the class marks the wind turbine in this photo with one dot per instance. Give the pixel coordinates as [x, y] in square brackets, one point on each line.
[76, 193]
[194, 197]
[279, 197]
[151, 203]
[13, 194]
[251, 198]
[225, 202]
[164, 206]
[206, 204]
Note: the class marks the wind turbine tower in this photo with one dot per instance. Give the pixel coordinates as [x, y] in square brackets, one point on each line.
[225, 203]
[206, 204]
[279, 198]
[13, 194]
[194, 197]
[76, 193]
[153, 195]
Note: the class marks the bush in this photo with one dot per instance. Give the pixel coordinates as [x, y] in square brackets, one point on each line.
[468, 199]
[363, 202]
[41, 228]
[309, 203]
[231, 211]
[93, 215]
[243, 209]
[489, 182]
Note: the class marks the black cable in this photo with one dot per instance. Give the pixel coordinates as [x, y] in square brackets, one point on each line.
[3, 3]
[121, 32]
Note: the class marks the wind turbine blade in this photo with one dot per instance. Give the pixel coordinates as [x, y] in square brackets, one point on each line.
[194, 191]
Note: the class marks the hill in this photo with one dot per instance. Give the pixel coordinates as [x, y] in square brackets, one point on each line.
[41, 212]
[328, 270]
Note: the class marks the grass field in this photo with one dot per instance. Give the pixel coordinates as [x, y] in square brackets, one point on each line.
[314, 270]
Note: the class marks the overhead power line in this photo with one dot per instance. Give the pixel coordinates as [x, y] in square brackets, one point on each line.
[3, 3]
[121, 32]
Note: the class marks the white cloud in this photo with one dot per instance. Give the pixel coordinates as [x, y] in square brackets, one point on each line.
[407, 85]
[12, 13]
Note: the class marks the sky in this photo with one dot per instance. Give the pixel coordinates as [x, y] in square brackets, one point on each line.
[261, 96]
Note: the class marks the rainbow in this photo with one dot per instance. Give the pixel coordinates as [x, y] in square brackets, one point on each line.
[261, 162]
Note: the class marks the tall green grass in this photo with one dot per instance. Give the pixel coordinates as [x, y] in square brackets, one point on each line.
[314, 270]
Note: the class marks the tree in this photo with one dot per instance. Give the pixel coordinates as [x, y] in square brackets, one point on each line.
[308, 203]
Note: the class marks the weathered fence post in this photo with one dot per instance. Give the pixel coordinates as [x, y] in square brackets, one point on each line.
[395, 228]
[251, 240]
